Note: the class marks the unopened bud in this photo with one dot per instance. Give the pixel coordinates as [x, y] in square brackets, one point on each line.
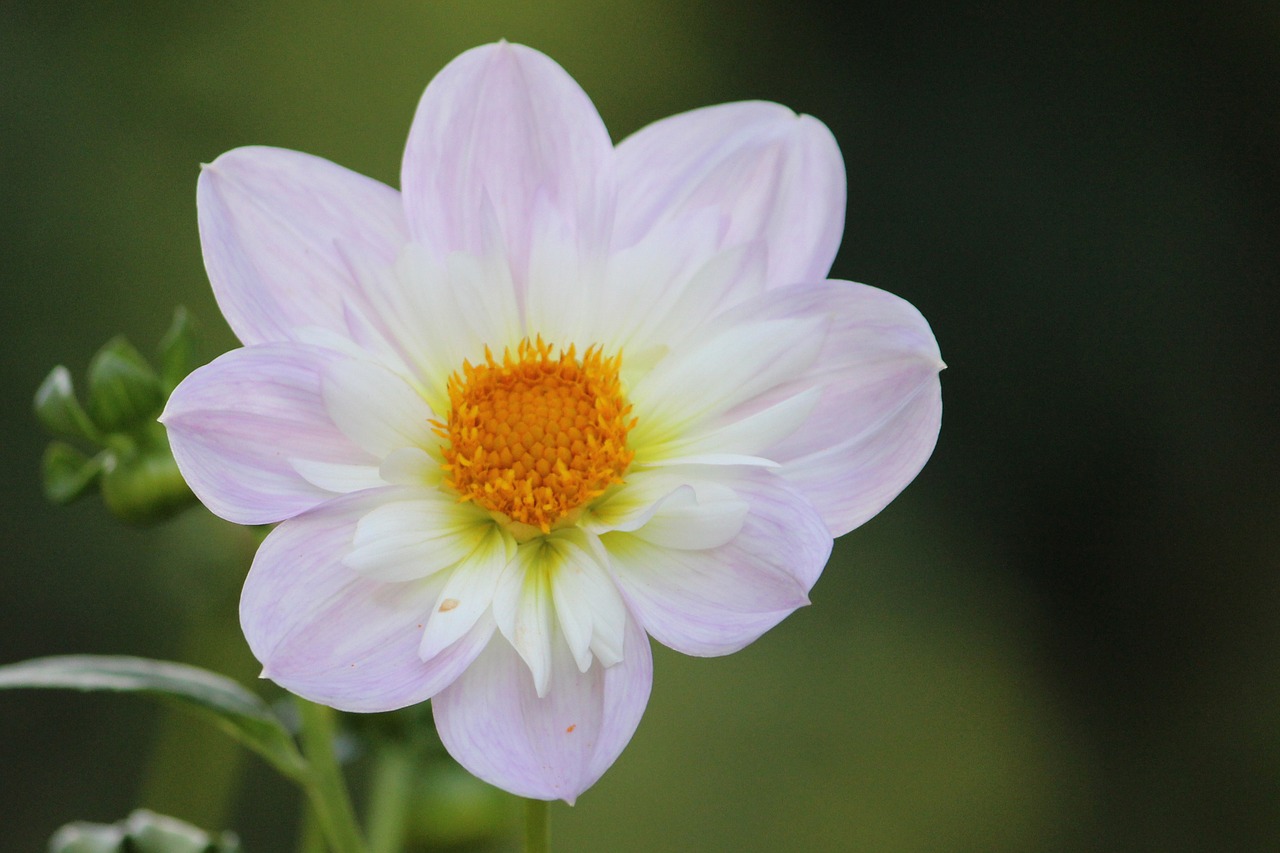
[123, 389]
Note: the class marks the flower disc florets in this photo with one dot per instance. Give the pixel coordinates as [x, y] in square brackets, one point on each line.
[537, 435]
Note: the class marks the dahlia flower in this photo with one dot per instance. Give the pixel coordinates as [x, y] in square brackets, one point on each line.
[552, 398]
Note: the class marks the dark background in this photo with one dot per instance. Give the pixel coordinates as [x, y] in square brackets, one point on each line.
[1062, 637]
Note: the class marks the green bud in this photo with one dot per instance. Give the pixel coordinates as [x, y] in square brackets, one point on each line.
[68, 473]
[81, 837]
[143, 485]
[179, 350]
[123, 389]
[59, 410]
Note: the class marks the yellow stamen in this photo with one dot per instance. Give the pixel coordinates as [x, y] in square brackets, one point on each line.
[538, 435]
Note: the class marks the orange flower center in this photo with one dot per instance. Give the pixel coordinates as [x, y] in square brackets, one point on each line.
[538, 435]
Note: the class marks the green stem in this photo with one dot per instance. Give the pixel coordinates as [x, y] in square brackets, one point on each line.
[325, 787]
[389, 797]
[537, 830]
[311, 837]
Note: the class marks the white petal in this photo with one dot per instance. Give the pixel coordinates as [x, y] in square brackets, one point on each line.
[522, 607]
[416, 534]
[683, 508]
[689, 520]
[494, 722]
[739, 363]
[411, 466]
[739, 434]
[376, 409]
[468, 593]
[338, 477]
[588, 608]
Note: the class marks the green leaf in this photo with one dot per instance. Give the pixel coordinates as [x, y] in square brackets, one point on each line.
[142, 832]
[68, 473]
[81, 837]
[156, 833]
[58, 409]
[123, 389]
[179, 350]
[235, 710]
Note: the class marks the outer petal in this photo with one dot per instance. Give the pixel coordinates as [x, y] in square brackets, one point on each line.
[877, 421]
[716, 601]
[274, 227]
[238, 424]
[504, 125]
[330, 635]
[774, 175]
[492, 721]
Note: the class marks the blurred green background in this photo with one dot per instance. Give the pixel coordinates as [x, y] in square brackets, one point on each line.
[1064, 636]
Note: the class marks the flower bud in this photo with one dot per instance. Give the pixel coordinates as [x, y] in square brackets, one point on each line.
[59, 410]
[141, 484]
[130, 457]
[179, 350]
[123, 389]
[67, 472]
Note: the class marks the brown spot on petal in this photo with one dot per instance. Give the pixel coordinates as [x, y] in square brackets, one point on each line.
[448, 604]
[570, 729]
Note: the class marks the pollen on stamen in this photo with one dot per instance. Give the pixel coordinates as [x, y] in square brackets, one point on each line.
[538, 434]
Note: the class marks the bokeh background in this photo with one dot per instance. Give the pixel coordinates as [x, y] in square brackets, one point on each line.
[1064, 636]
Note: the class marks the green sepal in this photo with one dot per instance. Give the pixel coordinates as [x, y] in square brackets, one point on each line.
[124, 390]
[179, 350]
[58, 409]
[67, 473]
[233, 709]
[142, 484]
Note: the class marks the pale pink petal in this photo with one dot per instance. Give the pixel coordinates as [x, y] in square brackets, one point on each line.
[504, 125]
[877, 420]
[327, 633]
[274, 227]
[715, 601]
[493, 722]
[773, 175]
[239, 425]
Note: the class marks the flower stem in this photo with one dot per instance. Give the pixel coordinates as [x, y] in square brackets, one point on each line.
[388, 805]
[537, 830]
[325, 787]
